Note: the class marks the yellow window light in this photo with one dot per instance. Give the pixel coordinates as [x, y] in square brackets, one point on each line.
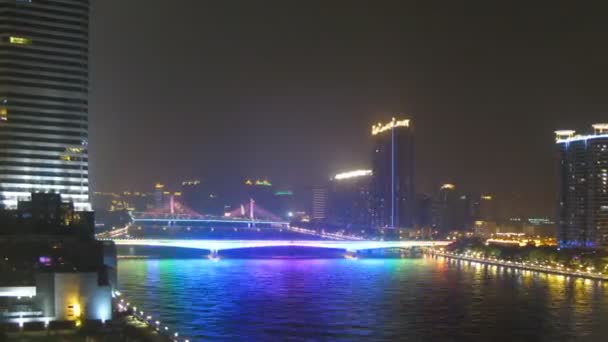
[20, 40]
[448, 187]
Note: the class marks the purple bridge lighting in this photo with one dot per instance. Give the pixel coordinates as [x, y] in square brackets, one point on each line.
[219, 245]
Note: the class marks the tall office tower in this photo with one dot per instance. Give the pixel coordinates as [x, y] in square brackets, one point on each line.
[160, 196]
[43, 100]
[393, 174]
[319, 204]
[349, 199]
[583, 191]
[452, 210]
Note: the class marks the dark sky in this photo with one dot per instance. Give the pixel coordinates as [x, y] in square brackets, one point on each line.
[288, 89]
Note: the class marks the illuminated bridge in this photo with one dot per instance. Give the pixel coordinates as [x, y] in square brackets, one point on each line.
[175, 213]
[218, 245]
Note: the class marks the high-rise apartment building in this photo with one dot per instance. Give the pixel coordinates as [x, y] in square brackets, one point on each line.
[583, 190]
[349, 199]
[393, 174]
[319, 204]
[43, 100]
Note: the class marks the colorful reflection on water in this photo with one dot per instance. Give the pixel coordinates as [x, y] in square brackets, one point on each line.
[432, 299]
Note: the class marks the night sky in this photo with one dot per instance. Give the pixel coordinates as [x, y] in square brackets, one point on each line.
[224, 89]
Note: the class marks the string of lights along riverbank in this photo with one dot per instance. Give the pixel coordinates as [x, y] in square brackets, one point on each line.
[43, 100]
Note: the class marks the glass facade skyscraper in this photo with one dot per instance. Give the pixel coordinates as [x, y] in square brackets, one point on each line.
[583, 191]
[43, 100]
[393, 174]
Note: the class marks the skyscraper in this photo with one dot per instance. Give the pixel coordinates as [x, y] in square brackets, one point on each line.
[319, 204]
[583, 190]
[393, 174]
[349, 199]
[43, 100]
[452, 210]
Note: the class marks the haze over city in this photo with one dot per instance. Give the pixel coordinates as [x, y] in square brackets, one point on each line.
[336, 170]
[288, 90]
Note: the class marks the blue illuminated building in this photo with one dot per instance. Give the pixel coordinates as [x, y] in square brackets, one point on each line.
[583, 190]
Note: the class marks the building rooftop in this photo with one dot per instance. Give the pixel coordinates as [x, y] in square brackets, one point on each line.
[380, 127]
[600, 130]
[353, 174]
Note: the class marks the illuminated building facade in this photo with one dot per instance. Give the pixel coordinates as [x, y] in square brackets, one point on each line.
[43, 100]
[52, 267]
[393, 190]
[583, 190]
[350, 199]
[319, 204]
[160, 199]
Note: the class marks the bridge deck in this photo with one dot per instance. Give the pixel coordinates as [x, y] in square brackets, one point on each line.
[218, 245]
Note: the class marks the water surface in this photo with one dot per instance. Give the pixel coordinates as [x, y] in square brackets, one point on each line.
[427, 299]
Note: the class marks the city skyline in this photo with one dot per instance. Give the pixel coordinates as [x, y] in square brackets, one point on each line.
[304, 170]
[293, 99]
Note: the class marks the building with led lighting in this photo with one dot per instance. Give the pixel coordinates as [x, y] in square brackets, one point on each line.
[52, 268]
[319, 204]
[349, 203]
[583, 189]
[393, 193]
[43, 100]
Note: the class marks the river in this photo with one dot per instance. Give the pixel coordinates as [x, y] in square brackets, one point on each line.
[425, 299]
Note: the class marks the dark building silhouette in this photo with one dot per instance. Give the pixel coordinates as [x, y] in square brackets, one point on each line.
[393, 174]
[583, 189]
[453, 210]
[52, 268]
[350, 199]
[424, 210]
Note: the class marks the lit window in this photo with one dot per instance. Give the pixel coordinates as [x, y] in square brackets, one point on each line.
[3, 114]
[20, 40]
[66, 158]
[75, 149]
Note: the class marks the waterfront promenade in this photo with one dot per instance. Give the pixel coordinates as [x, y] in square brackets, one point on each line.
[530, 266]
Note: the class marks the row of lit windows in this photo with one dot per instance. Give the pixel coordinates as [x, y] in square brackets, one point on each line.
[36, 76]
[77, 53]
[62, 141]
[40, 17]
[16, 120]
[33, 188]
[21, 55]
[83, 182]
[63, 157]
[45, 131]
[43, 165]
[80, 89]
[19, 65]
[16, 22]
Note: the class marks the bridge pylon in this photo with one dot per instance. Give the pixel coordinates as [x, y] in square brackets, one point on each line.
[351, 254]
[214, 254]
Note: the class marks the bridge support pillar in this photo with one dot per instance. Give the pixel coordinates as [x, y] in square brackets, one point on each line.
[214, 254]
[351, 254]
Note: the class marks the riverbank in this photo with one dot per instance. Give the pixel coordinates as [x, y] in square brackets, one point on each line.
[122, 328]
[529, 266]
